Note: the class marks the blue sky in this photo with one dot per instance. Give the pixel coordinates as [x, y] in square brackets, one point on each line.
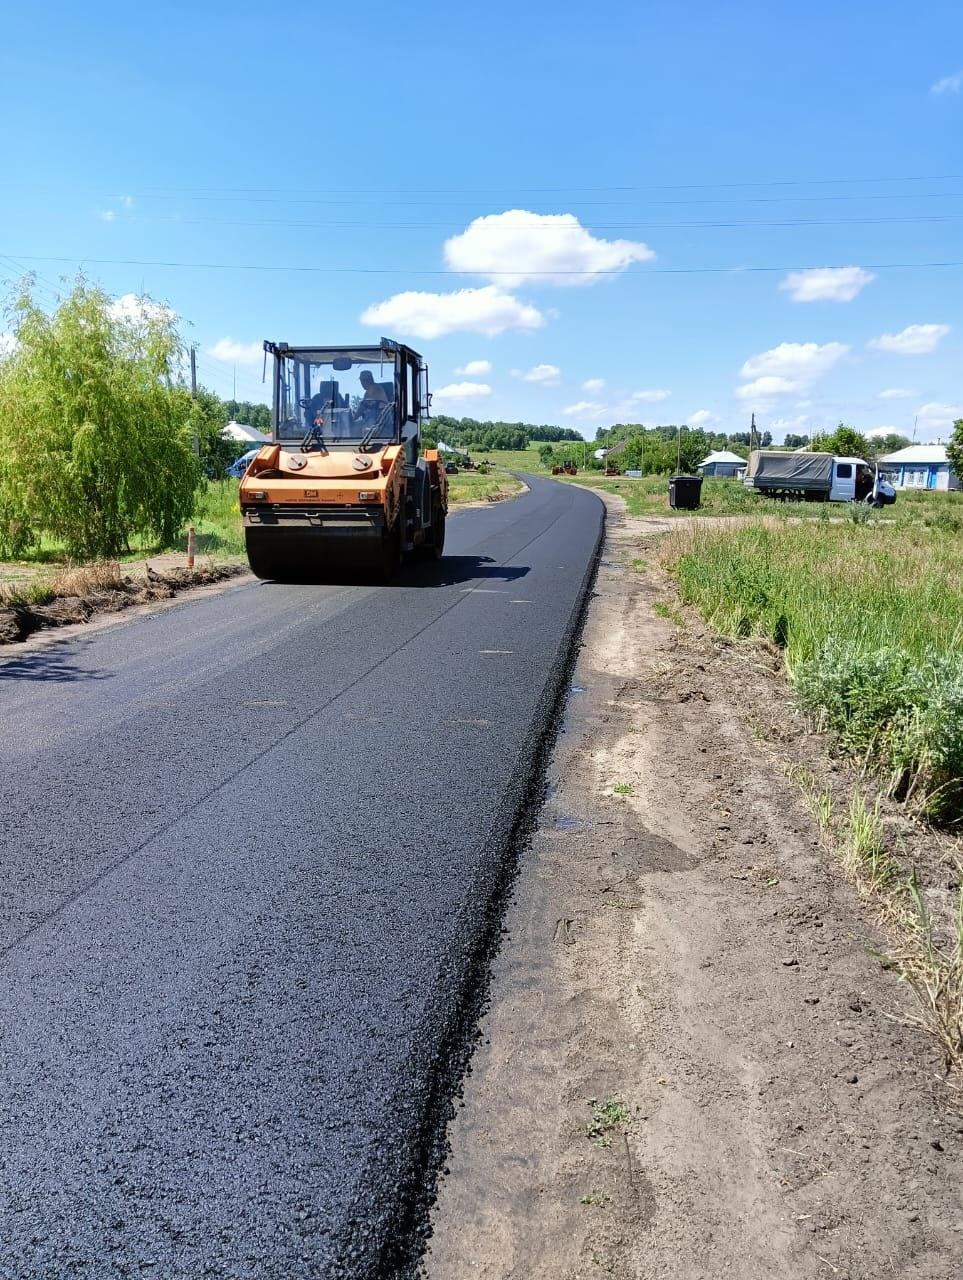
[434, 149]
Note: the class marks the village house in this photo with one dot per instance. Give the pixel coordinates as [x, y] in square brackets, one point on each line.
[920, 466]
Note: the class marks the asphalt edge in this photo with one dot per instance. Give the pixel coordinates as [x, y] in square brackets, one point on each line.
[410, 1230]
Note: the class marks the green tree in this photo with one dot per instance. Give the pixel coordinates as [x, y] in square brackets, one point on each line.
[888, 443]
[954, 449]
[95, 435]
[845, 441]
[250, 412]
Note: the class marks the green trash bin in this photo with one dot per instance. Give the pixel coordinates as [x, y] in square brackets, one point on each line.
[685, 493]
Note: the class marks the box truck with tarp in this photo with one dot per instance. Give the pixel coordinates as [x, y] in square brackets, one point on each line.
[816, 477]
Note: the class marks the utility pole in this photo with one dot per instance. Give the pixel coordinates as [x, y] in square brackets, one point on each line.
[678, 460]
[195, 439]
[752, 431]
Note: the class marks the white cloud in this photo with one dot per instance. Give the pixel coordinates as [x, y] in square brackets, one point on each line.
[462, 391]
[949, 84]
[130, 307]
[935, 414]
[546, 374]
[767, 388]
[701, 418]
[237, 352]
[585, 409]
[488, 310]
[914, 340]
[885, 431]
[650, 397]
[593, 384]
[896, 393]
[797, 360]
[8, 344]
[475, 369]
[127, 202]
[107, 215]
[517, 245]
[826, 284]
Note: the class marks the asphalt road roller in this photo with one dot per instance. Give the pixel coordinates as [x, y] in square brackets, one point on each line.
[344, 486]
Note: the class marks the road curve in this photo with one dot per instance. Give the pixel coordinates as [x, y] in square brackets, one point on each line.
[249, 848]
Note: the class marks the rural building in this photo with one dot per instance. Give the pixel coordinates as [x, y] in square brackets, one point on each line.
[920, 466]
[722, 463]
[244, 434]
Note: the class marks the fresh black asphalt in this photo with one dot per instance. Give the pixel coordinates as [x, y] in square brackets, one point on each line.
[249, 849]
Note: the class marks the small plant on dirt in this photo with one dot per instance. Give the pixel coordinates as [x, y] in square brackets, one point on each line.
[670, 612]
[819, 799]
[866, 859]
[638, 565]
[935, 973]
[598, 1199]
[606, 1116]
[623, 789]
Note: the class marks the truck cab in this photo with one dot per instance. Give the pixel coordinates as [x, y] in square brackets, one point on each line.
[852, 480]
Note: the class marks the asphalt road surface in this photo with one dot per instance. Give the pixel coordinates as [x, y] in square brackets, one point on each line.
[249, 846]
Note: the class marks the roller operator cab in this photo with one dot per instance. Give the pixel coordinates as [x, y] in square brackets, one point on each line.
[344, 485]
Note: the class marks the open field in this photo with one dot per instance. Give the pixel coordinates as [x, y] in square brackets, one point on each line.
[649, 496]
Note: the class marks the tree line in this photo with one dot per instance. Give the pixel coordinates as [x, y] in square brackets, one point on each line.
[485, 437]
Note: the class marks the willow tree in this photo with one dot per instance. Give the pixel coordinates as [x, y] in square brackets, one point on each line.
[95, 443]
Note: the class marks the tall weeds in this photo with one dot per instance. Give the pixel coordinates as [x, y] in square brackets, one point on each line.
[870, 618]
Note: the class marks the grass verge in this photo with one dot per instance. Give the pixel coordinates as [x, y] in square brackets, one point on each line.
[870, 618]
[470, 486]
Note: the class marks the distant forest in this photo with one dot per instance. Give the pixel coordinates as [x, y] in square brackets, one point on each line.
[467, 433]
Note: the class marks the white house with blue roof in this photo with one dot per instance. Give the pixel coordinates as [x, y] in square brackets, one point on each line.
[920, 466]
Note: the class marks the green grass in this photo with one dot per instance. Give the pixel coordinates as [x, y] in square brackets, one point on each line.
[470, 486]
[869, 617]
[649, 496]
[217, 521]
[512, 459]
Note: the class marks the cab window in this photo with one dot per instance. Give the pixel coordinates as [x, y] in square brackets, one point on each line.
[844, 471]
[411, 389]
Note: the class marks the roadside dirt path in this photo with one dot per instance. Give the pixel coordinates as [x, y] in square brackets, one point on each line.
[682, 950]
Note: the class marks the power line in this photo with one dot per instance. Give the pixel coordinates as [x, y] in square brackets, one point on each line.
[288, 199]
[376, 271]
[527, 227]
[174, 192]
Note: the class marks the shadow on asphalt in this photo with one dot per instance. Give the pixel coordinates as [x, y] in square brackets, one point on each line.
[50, 667]
[427, 573]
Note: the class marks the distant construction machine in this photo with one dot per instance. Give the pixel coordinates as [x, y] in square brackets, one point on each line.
[344, 486]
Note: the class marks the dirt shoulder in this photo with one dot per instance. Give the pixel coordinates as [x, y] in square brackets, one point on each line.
[683, 950]
[86, 594]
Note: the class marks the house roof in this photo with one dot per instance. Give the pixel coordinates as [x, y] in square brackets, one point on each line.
[922, 453]
[241, 431]
[722, 455]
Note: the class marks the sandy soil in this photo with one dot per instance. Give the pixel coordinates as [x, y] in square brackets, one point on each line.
[685, 947]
